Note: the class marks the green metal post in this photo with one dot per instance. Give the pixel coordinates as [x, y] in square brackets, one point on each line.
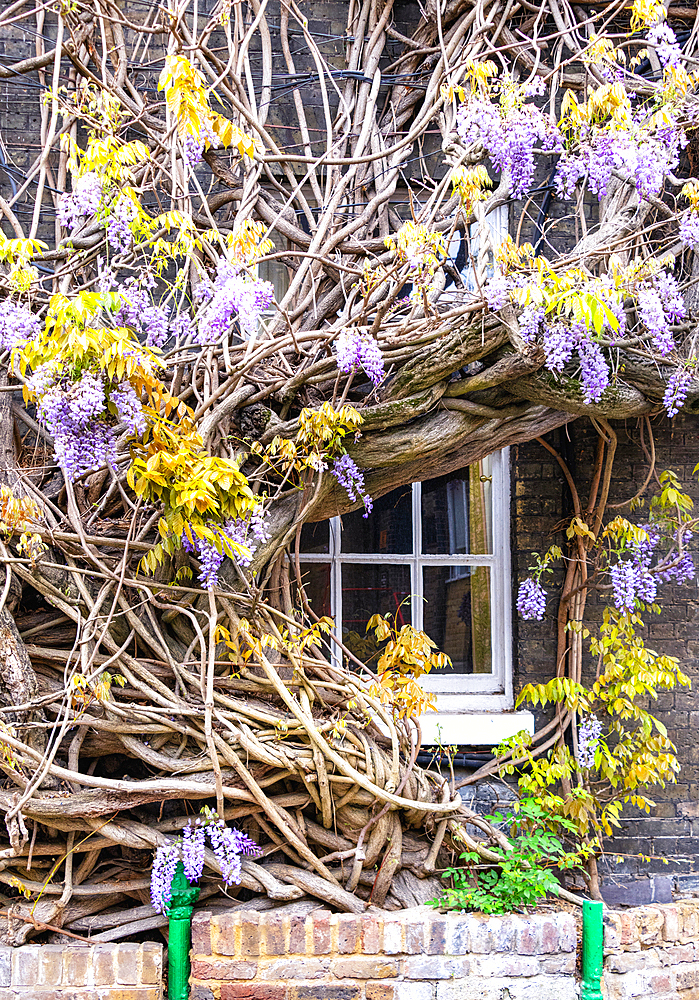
[179, 912]
[592, 950]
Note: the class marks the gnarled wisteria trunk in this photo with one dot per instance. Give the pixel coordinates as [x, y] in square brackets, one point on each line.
[252, 278]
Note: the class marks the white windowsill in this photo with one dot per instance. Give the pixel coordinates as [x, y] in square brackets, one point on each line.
[473, 728]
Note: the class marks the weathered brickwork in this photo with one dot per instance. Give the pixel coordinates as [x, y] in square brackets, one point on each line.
[408, 955]
[652, 951]
[82, 972]
[541, 502]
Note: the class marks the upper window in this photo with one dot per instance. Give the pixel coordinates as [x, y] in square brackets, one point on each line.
[436, 554]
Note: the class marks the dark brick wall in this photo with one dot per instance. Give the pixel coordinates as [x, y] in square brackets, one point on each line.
[541, 506]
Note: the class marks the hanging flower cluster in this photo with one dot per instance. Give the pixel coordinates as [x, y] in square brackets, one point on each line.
[120, 224]
[82, 202]
[677, 388]
[193, 146]
[589, 733]
[244, 534]
[359, 350]
[351, 478]
[17, 324]
[638, 559]
[510, 129]
[227, 843]
[76, 413]
[607, 133]
[138, 312]
[531, 600]
[233, 295]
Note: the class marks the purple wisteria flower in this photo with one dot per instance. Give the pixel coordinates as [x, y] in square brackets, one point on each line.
[247, 532]
[193, 848]
[349, 350]
[689, 229]
[681, 568]
[497, 292]
[624, 578]
[17, 324]
[594, 370]
[182, 327]
[602, 150]
[589, 732]
[162, 874]
[73, 412]
[138, 312]
[359, 350]
[509, 137]
[236, 296]
[84, 201]
[652, 315]
[569, 170]
[664, 41]
[119, 224]
[531, 599]
[351, 478]
[670, 296]
[193, 146]
[227, 843]
[530, 322]
[129, 407]
[646, 583]
[559, 342]
[676, 391]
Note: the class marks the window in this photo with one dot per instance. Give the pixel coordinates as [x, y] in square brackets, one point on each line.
[436, 554]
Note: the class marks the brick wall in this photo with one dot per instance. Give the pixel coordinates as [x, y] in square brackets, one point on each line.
[414, 954]
[653, 951]
[82, 972]
[541, 501]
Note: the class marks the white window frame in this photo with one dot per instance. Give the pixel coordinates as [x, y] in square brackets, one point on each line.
[472, 709]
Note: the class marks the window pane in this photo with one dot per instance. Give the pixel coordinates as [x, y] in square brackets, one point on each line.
[315, 537]
[457, 512]
[368, 590]
[387, 529]
[456, 615]
[316, 583]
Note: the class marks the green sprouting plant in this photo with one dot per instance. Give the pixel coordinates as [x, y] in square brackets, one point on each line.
[522, 875]
[617, 749]
[630, 751]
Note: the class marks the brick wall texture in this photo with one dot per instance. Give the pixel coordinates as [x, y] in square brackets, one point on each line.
[82, 972]
[415, 954]
[652, 951]
[541, 507]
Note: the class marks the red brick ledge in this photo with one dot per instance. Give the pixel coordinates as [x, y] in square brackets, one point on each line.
[415, 954]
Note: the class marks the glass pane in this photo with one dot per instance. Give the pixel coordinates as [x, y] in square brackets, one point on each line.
[276, 272]
[315, 537]
[368, 590]
[457, 512]
[456, 615]
[389, 527]
[316, 583]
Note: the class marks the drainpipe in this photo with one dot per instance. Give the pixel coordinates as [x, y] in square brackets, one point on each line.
[179, 912]
[592, 950]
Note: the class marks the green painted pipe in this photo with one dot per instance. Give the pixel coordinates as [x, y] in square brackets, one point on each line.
[592, 950]
[179, 941]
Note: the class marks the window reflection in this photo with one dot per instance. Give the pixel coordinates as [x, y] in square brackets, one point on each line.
[315, 537]
[457, 512]
[317, 585]
[389, 527]
[368, 590]
[456, 615]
